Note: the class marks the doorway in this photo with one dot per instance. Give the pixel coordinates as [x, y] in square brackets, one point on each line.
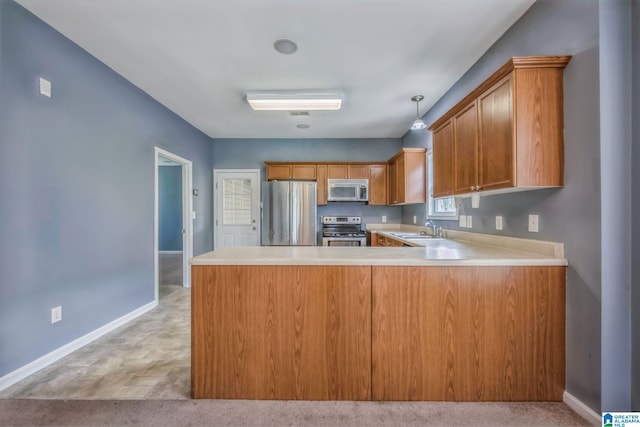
[173, 227]
[236, 214]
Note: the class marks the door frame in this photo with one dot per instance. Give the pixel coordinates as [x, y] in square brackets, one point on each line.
[187, 216]
[216, 174]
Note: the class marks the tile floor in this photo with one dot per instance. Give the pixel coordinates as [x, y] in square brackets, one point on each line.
[148, 358]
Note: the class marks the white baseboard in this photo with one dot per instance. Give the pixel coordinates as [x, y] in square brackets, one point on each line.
[57, 354]
[169, 252]
[581, 409]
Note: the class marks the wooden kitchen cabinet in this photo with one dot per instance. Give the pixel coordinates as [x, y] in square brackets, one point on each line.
[303, 172]
[388, 241]
[508, 132]
[496, 143]
[407, 176]
[284, 171]
[379, 332]
[468, 333]
[281, 332]
[378, 184]
[337, 171]
[278, 171]
[442, 160]
[358, 171]
[465, 150]
[321, 184]
[347, 171]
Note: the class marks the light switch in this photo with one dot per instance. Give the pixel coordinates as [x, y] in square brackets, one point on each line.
[384, 218]
[193, 214]
[415, 219]
[469, 221]
[463, 221]
[533, 223]
[498, 222]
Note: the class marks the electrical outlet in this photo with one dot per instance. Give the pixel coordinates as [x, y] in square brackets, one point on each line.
[415, 219]
[498, 222]
[56, 314]
[384, 218]
[469, 221]
[463, 221]
[45, 87]
[533, 223]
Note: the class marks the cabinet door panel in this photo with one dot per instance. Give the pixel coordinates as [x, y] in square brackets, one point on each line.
[358, 171]
[392, 187]
[321, 177]
[278, 172]
[281, 332]
[496, 139]
[305, 172]
[377, 184]
[401, 179]
[468, 334]
[337, 171]
[465, 149]
[443, 161]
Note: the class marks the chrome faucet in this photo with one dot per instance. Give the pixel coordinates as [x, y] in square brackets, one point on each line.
[435, 230]
[432, 226]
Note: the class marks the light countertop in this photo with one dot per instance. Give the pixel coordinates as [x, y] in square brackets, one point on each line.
[464, 250]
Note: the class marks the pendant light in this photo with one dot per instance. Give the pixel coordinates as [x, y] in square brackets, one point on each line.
[418, 124]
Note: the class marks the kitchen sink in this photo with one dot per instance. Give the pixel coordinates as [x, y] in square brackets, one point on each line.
[415, 236]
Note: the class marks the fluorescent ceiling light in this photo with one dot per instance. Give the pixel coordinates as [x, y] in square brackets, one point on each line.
[295, 101]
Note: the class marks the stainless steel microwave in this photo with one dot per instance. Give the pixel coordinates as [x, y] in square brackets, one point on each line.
[348, 190]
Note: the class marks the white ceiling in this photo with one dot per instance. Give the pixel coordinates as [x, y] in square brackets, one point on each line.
[200, 57]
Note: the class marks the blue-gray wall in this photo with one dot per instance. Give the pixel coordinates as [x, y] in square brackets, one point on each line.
[170, 208]
[570, 214]
[615, 165]
[635, 209]
[77, 189]
[251, 154]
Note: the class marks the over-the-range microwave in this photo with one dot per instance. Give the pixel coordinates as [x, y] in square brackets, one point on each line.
[348, 190]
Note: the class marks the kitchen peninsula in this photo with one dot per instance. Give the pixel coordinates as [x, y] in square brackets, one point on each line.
[459, 320]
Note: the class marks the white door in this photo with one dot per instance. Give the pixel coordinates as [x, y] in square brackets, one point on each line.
[236, 207]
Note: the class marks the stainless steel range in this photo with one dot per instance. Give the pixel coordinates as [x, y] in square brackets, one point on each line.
[343, 231]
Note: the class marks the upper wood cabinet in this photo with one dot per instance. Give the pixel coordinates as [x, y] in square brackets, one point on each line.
[347, 171]
[442, 160]
[377, 184]
[301, 171]
[278, 172]
[507, 133]
[321, 186]
[465, 150]
[407, 176]
[376, 173]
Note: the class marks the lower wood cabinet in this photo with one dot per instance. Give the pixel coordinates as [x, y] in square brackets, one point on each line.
[378, 333]
[387, 241]
[281, 332]
[468, 333]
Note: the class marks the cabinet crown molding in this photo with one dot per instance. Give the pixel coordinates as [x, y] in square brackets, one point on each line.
[515, 63]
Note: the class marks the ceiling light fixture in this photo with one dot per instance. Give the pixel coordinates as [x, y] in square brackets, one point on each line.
[418, 123]
[294, 101]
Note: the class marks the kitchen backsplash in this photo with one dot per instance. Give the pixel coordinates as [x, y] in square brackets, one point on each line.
[369, 214]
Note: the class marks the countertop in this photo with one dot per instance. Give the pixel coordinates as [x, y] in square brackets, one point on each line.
[459, 249]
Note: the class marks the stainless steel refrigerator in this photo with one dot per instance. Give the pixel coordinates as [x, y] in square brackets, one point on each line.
[289, 213]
